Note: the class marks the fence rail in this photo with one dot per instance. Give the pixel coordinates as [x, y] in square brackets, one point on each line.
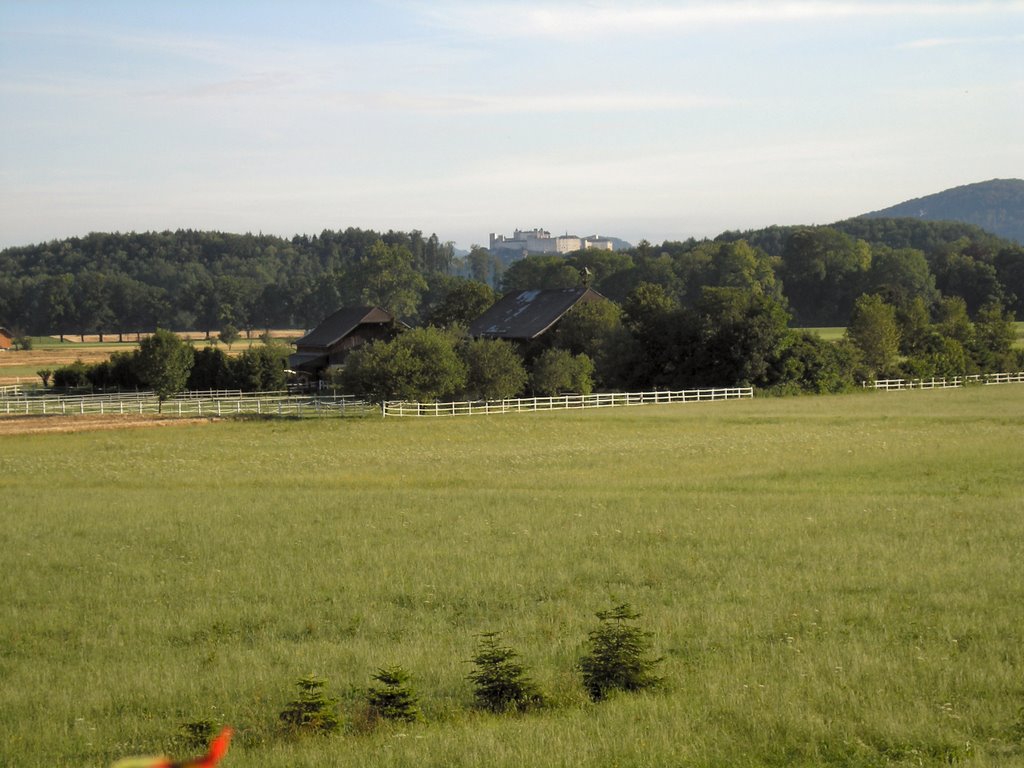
[138, 404]
[950, 382]
[562, 402]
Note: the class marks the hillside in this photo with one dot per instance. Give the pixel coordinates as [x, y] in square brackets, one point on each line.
[195, 280]
[996, 206]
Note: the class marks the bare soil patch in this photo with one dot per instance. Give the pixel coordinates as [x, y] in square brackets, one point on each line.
[31, 425]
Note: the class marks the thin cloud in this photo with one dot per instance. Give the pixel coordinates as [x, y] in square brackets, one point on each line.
[579, 20]
[949, 42]
[258, 85]
[508, 104]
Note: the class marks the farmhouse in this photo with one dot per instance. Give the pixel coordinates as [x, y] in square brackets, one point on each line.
[6, 338]
[527, 315]
[330, 342]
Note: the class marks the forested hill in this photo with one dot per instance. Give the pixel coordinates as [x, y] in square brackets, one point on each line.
[205, 280]
[996, 206]
[114, 283]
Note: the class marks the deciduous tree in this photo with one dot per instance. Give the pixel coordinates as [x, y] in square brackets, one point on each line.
[465, 301]
[874, 331]
[419, 365]
[164, 363]
[494, 369]
[558, 371]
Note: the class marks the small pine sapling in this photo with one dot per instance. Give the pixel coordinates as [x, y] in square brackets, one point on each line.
[501, 684]
[393, 699]
[312, 711]
[617, 657]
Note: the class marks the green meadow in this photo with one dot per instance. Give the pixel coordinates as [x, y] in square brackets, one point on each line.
[836, 333]
[830, 580]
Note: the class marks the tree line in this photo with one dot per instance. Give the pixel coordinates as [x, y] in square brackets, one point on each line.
[166, 364]
[189, 280]
[128, 283]
[728, 337]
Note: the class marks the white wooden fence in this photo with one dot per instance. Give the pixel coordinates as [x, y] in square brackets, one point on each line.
[141, 403]
[945, 383]
[561, 402]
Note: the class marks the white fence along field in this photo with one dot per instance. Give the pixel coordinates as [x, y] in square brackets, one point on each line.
[188, 404]
[562, 402]
[951, 382]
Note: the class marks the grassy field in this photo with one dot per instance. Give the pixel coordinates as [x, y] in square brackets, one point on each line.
[828, 334]
[832, 581]
[836, 333]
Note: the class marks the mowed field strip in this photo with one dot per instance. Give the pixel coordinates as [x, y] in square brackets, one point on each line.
[831, 581]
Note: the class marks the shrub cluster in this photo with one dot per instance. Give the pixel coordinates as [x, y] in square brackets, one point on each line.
[429, 364]
[260, 368]
[616, 658]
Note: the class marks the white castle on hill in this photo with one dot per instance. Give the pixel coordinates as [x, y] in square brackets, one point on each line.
[541, 241]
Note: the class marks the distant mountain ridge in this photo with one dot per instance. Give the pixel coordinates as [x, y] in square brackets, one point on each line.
[996, 206]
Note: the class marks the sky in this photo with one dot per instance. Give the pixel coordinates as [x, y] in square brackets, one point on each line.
[656, 120]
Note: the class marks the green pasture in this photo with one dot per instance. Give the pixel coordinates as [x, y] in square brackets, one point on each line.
[27, 373]
[836, 333]
[831, 581]
[828, 334]
[111, 343]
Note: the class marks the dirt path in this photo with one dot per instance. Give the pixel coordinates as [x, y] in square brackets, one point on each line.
[31, 425]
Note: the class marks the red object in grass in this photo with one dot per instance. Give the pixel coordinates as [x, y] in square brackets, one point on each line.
[218, 748]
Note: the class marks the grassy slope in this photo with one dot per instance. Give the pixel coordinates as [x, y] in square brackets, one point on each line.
[831, 580]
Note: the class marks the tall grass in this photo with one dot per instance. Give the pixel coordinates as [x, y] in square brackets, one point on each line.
[831, 581]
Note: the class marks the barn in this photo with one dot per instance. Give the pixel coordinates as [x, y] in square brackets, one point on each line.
[331, 341]
[6, 338]
[526, 315]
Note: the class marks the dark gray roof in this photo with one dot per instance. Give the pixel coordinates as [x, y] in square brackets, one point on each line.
[339, 325]
[527, 314]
